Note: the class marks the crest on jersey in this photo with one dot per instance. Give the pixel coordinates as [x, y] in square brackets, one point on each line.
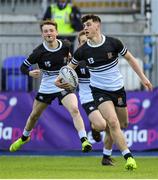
[47, 63]
[109, 55]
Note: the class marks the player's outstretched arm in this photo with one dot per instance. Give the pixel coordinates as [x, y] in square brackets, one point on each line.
[135, 66]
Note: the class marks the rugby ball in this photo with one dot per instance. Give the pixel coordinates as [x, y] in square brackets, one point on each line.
[69, 75]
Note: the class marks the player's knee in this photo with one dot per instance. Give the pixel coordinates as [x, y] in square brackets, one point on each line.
[113, 124]
[74, 111]
[101, 126]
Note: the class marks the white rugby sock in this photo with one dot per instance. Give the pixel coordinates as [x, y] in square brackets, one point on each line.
[82, 134]
[26, 133]
[126, 151]
[107, 152]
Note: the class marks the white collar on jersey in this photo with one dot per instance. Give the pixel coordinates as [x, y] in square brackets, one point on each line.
[52, 50]
[97, 45]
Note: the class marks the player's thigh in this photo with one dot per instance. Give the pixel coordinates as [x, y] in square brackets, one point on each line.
[70, 101]
[38, 107]
[122, 115]
[107, 110]
[97, 120]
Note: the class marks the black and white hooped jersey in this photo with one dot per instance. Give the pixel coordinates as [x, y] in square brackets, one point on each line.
[85, 94]
[49, 61]
[102, 61]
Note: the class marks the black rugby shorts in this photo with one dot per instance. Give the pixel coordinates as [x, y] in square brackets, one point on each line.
[117, 97]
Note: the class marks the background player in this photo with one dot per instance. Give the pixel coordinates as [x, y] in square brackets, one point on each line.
[50, 56]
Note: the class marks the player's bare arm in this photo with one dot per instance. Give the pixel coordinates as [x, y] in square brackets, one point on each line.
[72, 65]
[35, 73]
[135, 66]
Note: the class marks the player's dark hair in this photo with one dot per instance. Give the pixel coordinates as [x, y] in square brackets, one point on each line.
[81, 33]
[94, 18]
[48, 22]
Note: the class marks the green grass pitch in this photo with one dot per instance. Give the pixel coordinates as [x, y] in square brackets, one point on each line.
[60, 167]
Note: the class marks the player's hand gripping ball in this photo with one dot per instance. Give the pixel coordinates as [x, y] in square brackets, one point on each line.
[68, 75]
